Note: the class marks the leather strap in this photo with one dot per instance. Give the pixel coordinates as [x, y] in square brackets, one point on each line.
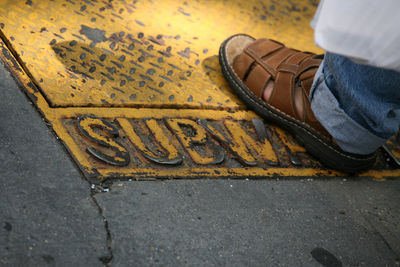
[291, 72]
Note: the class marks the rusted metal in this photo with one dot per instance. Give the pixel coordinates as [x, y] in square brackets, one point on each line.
[134, 89]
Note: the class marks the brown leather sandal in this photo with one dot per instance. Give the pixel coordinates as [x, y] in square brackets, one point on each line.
[257, 68]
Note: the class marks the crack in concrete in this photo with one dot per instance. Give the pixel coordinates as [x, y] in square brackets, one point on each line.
[104, 259]
[107, 258]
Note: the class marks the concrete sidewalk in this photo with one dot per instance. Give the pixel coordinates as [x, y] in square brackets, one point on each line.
[51, 216]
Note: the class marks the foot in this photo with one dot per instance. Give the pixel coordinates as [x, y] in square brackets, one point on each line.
[275, 82]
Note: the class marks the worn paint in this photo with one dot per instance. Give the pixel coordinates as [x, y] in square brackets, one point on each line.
[120, 53]
[134, 88]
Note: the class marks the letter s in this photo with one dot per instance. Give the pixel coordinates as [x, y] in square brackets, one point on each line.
[86, 126]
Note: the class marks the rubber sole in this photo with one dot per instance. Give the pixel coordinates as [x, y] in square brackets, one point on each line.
[316, 144]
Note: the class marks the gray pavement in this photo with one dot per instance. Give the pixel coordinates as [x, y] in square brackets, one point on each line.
[50, 216]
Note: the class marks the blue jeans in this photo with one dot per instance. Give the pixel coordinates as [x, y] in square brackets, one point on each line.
[358, 105]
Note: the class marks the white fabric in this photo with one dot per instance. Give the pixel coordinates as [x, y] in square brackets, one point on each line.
[367, 31]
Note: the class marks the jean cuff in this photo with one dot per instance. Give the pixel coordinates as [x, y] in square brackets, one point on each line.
[349, 135]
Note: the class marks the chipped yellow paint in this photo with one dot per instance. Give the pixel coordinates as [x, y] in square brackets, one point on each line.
[241, 143]
[199, 137]
[156, 130]
[289, 142]
[141, 54]
[87, 125]
[90, 127]
[134, 88]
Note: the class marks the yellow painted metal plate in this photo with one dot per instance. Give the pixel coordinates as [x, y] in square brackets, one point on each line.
[134, 88]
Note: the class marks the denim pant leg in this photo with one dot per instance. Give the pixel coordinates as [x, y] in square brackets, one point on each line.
[358, 105]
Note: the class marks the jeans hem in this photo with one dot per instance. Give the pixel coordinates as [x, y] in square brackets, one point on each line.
[349, 135]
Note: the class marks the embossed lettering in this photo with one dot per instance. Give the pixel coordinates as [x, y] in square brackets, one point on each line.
[172, 156]
[86, 126]
[242, 145]
[194, 138]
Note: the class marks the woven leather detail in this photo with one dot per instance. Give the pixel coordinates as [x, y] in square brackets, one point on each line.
[291, 72]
